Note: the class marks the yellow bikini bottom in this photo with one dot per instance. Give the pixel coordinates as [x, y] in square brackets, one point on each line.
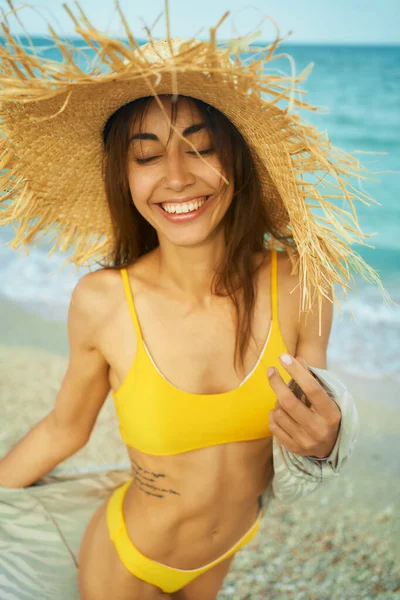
[168, 579]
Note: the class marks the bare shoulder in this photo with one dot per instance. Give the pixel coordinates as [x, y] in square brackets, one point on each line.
[313, 326]
[93, 297]
[92, 289]
[289, 280]
[285, 266]
[288, 277]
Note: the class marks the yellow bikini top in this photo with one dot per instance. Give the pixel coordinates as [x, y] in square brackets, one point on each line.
[157, 418]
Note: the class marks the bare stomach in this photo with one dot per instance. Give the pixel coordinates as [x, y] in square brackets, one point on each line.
[186, 510]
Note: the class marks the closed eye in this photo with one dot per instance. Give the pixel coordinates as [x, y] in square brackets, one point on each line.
[142, 161]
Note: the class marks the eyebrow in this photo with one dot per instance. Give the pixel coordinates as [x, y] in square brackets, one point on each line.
[151, 136]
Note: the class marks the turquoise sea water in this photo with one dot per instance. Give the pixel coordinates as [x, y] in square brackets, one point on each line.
[360, 88]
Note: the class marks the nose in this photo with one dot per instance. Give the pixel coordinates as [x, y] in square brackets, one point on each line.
[178, 173]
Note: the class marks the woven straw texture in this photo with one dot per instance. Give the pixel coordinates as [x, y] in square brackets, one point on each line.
[53, 114]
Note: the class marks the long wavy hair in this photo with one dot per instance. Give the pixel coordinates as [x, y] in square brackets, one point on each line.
[247, 223]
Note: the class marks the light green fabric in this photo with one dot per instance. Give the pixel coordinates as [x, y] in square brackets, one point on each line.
[41, 528]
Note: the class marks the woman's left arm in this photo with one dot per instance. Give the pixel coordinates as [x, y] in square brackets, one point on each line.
[324, 427]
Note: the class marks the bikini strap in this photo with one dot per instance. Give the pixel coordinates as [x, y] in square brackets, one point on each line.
[274, 285]
[131, 304]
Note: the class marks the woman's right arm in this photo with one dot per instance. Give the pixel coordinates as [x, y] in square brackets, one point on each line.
[84, 389]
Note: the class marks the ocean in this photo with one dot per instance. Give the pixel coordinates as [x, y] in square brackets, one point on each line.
[359, 86]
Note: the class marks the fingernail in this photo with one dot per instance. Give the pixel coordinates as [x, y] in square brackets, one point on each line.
[286, 359]
[270, 371]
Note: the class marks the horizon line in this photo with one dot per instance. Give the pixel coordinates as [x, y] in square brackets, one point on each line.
[257, 43]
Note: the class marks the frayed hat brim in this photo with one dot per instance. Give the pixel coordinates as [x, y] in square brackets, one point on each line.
[53, 115]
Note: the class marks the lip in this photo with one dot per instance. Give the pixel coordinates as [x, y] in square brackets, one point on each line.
[183, 217]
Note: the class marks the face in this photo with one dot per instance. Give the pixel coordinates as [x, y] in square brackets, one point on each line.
[180, 195]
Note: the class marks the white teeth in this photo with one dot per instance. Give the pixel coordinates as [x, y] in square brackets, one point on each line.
[183, 207]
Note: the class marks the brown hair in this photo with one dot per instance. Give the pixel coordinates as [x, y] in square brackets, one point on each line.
[247, 223]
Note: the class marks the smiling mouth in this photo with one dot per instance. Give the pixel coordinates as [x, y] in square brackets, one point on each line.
[183, 207]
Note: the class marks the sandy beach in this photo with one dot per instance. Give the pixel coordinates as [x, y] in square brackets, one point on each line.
[339, 543]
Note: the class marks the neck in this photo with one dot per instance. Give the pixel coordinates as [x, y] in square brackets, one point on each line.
[189, 270]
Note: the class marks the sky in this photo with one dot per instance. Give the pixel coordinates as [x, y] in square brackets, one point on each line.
[312, 21]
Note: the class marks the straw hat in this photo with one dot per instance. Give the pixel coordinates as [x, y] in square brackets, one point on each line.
[53, 115]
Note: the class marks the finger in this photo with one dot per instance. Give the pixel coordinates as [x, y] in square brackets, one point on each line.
[314, 391]
[290, 426]
[281, 435]
[306, 418]
[306, 441]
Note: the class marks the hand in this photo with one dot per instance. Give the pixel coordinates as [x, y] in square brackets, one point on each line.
[305, 431]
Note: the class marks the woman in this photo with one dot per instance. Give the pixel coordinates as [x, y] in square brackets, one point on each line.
[190, 310]
[199, 442]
